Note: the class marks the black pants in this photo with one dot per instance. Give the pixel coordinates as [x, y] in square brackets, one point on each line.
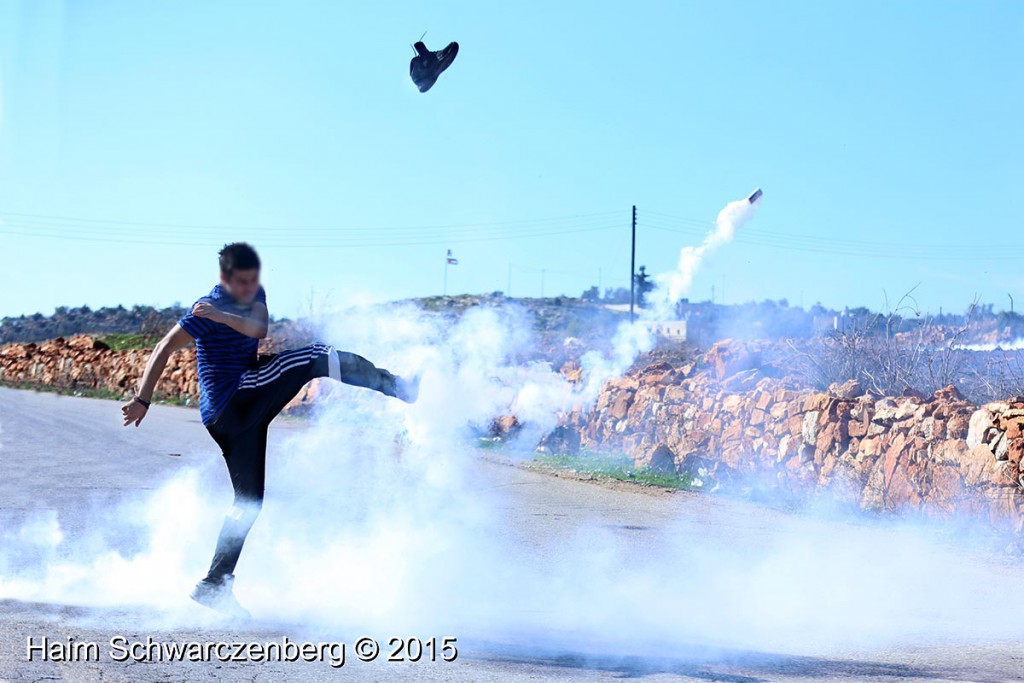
[241, 429]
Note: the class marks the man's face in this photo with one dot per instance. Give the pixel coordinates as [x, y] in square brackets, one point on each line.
[242, 285]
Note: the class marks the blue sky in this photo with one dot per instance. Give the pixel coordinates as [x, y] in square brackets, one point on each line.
[138, 137]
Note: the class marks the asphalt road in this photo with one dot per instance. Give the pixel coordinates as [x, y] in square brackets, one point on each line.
[72, 457]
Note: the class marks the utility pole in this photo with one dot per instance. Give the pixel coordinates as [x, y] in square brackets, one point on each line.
[632, 270]
[1011, 302]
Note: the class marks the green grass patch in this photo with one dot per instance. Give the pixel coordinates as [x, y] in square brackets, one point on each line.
[607, 464]
[127, 342]
[90, 392]
[615, 466]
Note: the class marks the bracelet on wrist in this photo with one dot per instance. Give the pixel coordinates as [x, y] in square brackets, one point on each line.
[145, 403]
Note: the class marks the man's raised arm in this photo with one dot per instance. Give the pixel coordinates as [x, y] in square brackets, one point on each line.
[135, 410]
[253, 325]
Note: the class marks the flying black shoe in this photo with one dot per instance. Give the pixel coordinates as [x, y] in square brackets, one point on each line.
[408, 389]
[217, 596]
[426, 66]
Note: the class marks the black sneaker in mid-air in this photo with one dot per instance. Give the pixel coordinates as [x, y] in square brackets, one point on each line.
[217, 596]
[426, 66]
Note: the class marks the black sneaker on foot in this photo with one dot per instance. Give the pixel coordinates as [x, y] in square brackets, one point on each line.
[217, 596]
[426, 66]
[408, 389]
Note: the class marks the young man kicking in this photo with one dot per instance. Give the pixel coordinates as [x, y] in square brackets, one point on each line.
[241, 392]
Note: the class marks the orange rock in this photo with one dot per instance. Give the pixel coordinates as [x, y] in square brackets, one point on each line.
[1005, 474]
[729, 357]
[660, 458]
[734, 432]
[1015, 452]
[947, 486]
[900, 491]
[795, 425]
[871, 446]
[785, 396]
[978, 465]
[948, 393]
[620, 408]
[825, 443]
[764, 399]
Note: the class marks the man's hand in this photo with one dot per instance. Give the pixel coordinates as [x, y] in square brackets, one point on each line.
[207, 310]
[176, 338]
[133, 411]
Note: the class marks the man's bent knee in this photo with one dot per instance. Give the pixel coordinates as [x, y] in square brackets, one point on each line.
[334, 365]
[245, 510]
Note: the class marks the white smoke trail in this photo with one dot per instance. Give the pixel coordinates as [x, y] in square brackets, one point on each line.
[629, 341]
[674, 285]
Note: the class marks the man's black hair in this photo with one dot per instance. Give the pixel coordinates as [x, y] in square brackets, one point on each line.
[238, 256]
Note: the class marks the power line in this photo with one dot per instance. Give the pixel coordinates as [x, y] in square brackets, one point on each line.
[316, 245]
[161, 233]
[71, 221]
[305, 241]
[811, 240]
[350, 236]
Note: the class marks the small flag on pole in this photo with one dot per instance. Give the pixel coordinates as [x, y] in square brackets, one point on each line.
[452, 261]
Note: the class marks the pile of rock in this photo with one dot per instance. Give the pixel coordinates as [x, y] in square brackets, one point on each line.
[722, 416]
[84, 362]
[725, 419]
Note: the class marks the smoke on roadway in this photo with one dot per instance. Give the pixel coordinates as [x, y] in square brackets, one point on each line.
[376, 521]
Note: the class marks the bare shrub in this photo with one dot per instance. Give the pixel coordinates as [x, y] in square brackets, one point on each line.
[993, 375]
[890, 353]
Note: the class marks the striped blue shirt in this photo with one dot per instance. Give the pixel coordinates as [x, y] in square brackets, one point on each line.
[222, 353]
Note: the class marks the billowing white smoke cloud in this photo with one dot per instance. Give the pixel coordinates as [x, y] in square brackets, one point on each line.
[380, 519]
[675, 285]
[629, 341]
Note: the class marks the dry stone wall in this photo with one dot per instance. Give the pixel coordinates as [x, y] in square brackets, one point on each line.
[719, 415]
[723, 418]
[85, 363]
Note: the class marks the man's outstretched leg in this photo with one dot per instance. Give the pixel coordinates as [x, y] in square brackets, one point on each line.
[353, 369]
[241, 432]
[264, 391]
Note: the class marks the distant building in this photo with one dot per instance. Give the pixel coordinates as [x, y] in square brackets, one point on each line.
[824, 323]
[672, 329]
